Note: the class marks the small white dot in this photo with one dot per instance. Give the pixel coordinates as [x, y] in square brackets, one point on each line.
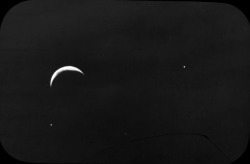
[50, 124]
[184, 66]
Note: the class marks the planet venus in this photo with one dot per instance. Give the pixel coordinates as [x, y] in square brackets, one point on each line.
[63, 69]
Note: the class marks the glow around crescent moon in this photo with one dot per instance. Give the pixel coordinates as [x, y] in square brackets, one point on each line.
[62, 69]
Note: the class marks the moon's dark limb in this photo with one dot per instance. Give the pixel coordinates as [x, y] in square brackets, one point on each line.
[157, 136]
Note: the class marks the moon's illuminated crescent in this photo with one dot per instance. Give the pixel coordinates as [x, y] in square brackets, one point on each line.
[62, 69]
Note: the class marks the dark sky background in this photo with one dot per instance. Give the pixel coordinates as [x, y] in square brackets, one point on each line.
[134, 87]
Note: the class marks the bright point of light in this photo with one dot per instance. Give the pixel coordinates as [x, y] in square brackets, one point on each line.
[184, 66]
[50, 125]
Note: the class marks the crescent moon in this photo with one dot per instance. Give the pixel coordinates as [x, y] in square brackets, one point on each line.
[62, 69]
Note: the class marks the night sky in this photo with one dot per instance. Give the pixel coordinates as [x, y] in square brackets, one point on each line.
[163, 82]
